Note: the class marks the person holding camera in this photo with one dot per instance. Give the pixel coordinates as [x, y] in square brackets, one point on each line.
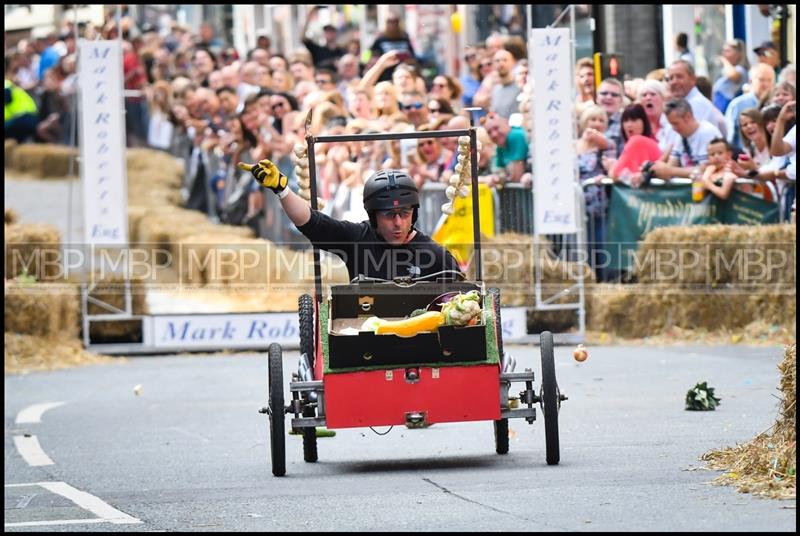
[393, 38]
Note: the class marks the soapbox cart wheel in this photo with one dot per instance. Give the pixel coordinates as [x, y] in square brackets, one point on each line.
[550, 398]
[276, 411]
[307, 347]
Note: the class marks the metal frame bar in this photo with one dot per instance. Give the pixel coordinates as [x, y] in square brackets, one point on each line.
[311, 140]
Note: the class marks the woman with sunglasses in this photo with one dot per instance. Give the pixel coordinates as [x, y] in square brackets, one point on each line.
[448, 89]
[429, 161]
[439, 108]
[489, 78]
[385, 246]
[471, 80]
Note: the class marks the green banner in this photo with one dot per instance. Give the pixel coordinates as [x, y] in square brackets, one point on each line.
[634, 212]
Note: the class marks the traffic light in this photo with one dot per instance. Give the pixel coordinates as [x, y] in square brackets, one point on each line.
[607, 66]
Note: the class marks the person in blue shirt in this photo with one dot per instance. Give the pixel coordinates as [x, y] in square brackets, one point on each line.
[512, 146]
[471, 80]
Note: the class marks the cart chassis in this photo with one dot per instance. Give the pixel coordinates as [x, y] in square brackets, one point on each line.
[528, 397]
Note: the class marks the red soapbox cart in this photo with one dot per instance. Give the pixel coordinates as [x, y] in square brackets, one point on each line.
[450, 374]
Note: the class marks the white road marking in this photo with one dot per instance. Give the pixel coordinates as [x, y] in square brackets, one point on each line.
[33, 414]
[87, 501]
[30, 450]
[105, 512]
[54, 522]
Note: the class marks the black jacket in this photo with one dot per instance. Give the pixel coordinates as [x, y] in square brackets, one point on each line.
[365, 252]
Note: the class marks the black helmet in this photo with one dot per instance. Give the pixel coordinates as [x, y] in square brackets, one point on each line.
[388, 189]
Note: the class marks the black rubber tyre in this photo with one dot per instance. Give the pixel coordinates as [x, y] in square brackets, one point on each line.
[305, 308]
[501, 425]
[550, 398]
[501, 436]
[277, 428]
[309, 438]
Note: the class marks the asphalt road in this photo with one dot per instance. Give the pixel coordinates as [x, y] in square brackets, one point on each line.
[191, 453]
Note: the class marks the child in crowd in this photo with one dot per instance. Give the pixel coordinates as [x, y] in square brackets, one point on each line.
[718, 177]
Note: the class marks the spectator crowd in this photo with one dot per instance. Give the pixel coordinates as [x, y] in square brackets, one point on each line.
[194, 97]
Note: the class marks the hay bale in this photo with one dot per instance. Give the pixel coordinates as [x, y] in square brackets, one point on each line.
[163, 226]
[43, 309]
[508, 263]
[160, 230]
[555, 321]
[206, 227]
[35, 249]
[11, 216]
[229, 260]
[645, 310]
[767, 465]
[295, 270]
[11, 146]
[27, 353]
[153, 195]
[142, 161]
[47, 161]
[110, 289]
[70, 310]
[135, 214]
[747, 256]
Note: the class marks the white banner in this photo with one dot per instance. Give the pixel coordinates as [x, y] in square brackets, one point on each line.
[103, 171]
[553, 147]
[244, 330]
[514, 323]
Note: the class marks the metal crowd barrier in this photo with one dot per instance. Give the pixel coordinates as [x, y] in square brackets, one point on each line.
[513, 213]
[431, 198]
[513, 208]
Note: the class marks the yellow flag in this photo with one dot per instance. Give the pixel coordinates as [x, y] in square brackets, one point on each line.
[455, 231]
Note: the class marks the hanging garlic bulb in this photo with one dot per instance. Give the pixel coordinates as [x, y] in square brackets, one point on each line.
[303, 174]
[462, 175]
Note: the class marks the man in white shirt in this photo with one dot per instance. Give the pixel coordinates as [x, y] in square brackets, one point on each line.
[690, 150]
[683, 85]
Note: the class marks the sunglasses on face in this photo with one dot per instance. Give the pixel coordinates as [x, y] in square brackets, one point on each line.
[469, 57]
[610, 94]
[489, 64]
[412, 106]
[403, 213]
[323, 81]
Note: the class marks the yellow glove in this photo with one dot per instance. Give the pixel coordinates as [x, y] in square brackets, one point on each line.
[267, 174]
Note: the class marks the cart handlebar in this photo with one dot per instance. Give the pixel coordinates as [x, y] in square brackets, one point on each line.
[409, 280]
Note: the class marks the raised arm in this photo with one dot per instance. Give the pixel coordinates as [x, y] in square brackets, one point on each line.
[778, 147]
[269, 176]
[370, 78]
